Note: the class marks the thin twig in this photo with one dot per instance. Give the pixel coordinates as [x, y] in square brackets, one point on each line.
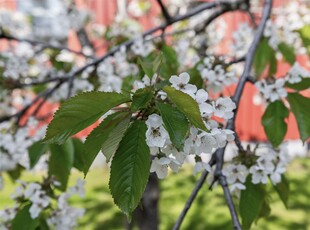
[164, 11]
[224, 9]
[229, 201]
[42, 44]
[235, 61]
[46, 96]
[252, 17]
[52, 79]
[192, 197]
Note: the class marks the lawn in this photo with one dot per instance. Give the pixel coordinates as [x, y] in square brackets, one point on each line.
[208, 212]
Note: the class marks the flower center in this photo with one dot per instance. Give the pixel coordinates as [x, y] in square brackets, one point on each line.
[156, 132]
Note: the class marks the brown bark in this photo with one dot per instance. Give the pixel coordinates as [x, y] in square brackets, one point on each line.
[146, 215]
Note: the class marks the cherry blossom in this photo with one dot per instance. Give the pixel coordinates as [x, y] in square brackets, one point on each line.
[181, 82]
[223, 107]
[258, 175]
[200, 166]
[156, 134]
[296, 74]
[272, 92]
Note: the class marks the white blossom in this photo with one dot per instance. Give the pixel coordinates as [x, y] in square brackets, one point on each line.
[237, 187]
[201, 166]
[65, 217]
[160, 167]
[272, 92]
[242, 39]
[258, 175]
[181, 82]
[201, 96]
[141, 47]
[235, 173]
[156, 134]
[296, 73]
[223, 107]
[276, 176]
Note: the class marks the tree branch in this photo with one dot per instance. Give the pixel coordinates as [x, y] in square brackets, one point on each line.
[230, 203]
[42, 44]
[224, 8]
[23, 111]
[218, 156]
[52, 79]
[164, 11]
[191, 199]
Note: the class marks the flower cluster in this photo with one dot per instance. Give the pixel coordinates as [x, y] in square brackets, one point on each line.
[265, 163]
[272, 91]
[63, 217]
[279, 30]
[236, 175]
[198, 141]
[270, 163]
[217, 76]
[296, 74]
[142, 47]
[35, 194]
[16, 22]
[242, 39]
[113, 70]
[6, 216]
[14, 144]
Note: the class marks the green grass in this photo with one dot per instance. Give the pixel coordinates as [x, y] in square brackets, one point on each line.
[208, 212]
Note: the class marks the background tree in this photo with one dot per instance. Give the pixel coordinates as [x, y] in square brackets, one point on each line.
[157, 98]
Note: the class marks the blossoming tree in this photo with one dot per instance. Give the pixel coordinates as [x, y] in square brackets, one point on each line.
[157, 98]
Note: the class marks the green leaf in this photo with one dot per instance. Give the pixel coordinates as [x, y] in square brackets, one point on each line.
[130, 168]
[61, 162]
[304, 84]
[79, 112]
[170, 62]
[305, 36]
[187, 105]
[265, 210]
[300, 106]
[16, 172]
[35, 151]
[283, 190]
[141, 98]
[195, 77]
[111, 144]
[264, 55]
[150, 67]
[23, 220]
[274, 123]
[272, 63]
[78, 161]
[288, 52]
[101, 134]
[128, 83]
[43, 224]
[251, 202]
[175, 123]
